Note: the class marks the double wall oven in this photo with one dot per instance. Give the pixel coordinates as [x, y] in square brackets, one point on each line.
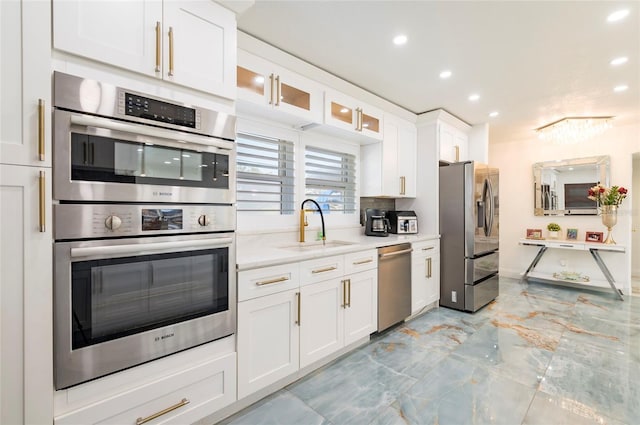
[144, 227]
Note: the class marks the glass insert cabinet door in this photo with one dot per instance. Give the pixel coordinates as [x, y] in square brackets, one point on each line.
[561, 187]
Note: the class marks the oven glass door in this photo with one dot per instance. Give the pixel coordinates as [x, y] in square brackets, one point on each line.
[107, 159]
[115, 297]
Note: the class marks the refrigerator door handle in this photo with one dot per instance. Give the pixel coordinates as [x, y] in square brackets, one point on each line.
[485, 216]
[490, 210]
[480, 215]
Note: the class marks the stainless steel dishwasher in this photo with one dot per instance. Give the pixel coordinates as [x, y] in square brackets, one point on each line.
[394, 284]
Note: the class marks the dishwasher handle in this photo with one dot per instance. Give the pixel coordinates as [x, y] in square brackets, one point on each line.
[393, 254]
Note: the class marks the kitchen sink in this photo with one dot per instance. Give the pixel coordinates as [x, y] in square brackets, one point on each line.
[310, 246]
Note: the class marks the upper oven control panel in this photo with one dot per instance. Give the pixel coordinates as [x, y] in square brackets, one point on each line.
[135, 105]
[89, 221]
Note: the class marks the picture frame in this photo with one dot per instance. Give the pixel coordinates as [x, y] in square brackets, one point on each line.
[572, 234]
[593, 237]
[534, 233]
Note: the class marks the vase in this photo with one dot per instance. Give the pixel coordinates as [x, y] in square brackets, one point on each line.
[553, 234]
[609, 215]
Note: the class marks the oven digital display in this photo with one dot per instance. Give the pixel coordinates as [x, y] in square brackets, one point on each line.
[161, 219]
[143, 107]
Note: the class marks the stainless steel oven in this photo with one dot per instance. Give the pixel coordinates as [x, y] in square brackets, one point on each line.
[118, 145]
[125, 294]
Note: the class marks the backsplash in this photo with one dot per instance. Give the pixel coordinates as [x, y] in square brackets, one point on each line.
[379, 203]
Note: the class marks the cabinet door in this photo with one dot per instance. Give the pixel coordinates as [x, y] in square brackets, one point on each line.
[340, 111]
[200, 47]
[268, 340]
[425, 280]
[25, 83]
[26, 341]
[407, 158]
[298, 96]
[371, 122]
[433, 279]
[446, 136]
[391, 181]
[361, 306]
[122, 34]
[255, 79]
[321, 320]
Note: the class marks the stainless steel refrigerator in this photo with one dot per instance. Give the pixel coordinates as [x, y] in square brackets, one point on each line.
[469, 231]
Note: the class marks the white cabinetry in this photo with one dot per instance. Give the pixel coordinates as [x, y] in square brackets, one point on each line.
[425, 274]
[389, 168]
[204, 383]
[26, 338]
[191, 43]
[268, 330]
[293, 315]
[277, 92]
[352, 116]
[454, 143]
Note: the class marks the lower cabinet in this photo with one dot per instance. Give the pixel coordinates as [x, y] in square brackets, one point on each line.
[425, 274]
[322, 306]
[183, 397]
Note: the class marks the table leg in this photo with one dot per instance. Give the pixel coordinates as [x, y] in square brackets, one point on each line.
[534, 262]
[605, 271]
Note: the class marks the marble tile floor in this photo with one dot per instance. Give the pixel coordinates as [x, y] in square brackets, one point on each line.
[540, 354]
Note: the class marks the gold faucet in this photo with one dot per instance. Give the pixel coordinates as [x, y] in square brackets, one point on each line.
[303, 219]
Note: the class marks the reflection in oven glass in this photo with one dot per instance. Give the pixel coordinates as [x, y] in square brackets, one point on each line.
[161, 219]
[113, 298]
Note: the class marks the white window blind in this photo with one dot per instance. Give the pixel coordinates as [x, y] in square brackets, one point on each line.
[330, 179]
[265, 173]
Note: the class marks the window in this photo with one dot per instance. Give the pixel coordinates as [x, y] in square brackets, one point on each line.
[265, 171]
[330, 179]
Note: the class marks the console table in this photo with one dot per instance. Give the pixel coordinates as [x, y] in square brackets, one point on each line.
[593, 248]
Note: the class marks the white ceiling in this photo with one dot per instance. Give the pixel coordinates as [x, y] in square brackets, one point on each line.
[533, 61]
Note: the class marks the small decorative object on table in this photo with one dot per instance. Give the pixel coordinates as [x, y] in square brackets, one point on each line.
[534, 233]
[593, 237]
[571, 276]
[608, 199]
[572, 234]
[553, 229]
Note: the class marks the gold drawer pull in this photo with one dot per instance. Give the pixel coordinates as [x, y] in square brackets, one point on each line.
[41, 202]
[270, 281]
[355, 263]
[326, 269]
[41, 129]
[427, 248]
[182, 402]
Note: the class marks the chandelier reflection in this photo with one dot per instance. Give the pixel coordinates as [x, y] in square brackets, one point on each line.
[574, 129]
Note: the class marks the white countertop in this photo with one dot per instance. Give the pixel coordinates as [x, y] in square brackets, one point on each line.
[264, 251]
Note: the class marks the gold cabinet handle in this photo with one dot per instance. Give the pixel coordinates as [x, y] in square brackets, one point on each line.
[181, 403]
[41, 201]
[326, 269]
[367, 261]
[271, 81]
[349, 292]
[270, 281]
[171, 52]
[358, 119]
[403, 184]
[41, 129]
[428, 268]
[278, 91]
[344, 293]
[158, 41]
[298, 296]
[427, 248]
[457, 148]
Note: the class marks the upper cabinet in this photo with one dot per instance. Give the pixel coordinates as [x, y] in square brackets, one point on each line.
[188, 43]
[349, 114]
[25, 83]
[389, 168]
[277, 92]
[454, 143]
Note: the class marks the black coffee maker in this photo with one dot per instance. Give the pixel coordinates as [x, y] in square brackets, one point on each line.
[376, 223]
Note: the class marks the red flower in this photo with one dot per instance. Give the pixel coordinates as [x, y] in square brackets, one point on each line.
[601, 189]
[622, 191]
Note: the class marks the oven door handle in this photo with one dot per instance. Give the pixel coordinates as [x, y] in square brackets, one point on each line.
[138, 129]
[143, 248]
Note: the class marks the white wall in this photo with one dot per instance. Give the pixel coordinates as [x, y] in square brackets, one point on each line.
[515, 160]
[635, 204]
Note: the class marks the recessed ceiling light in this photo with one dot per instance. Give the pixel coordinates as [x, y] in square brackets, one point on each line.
[620, 88]
[494, 114]
[618, 15]
[619, 61]
[399, 40]
[474, 97]
[445, 74]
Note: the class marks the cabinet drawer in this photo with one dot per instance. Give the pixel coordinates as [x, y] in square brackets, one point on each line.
[360, 261]
[267, 280]
[320, 269]
[183, 397]
[425, 248]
